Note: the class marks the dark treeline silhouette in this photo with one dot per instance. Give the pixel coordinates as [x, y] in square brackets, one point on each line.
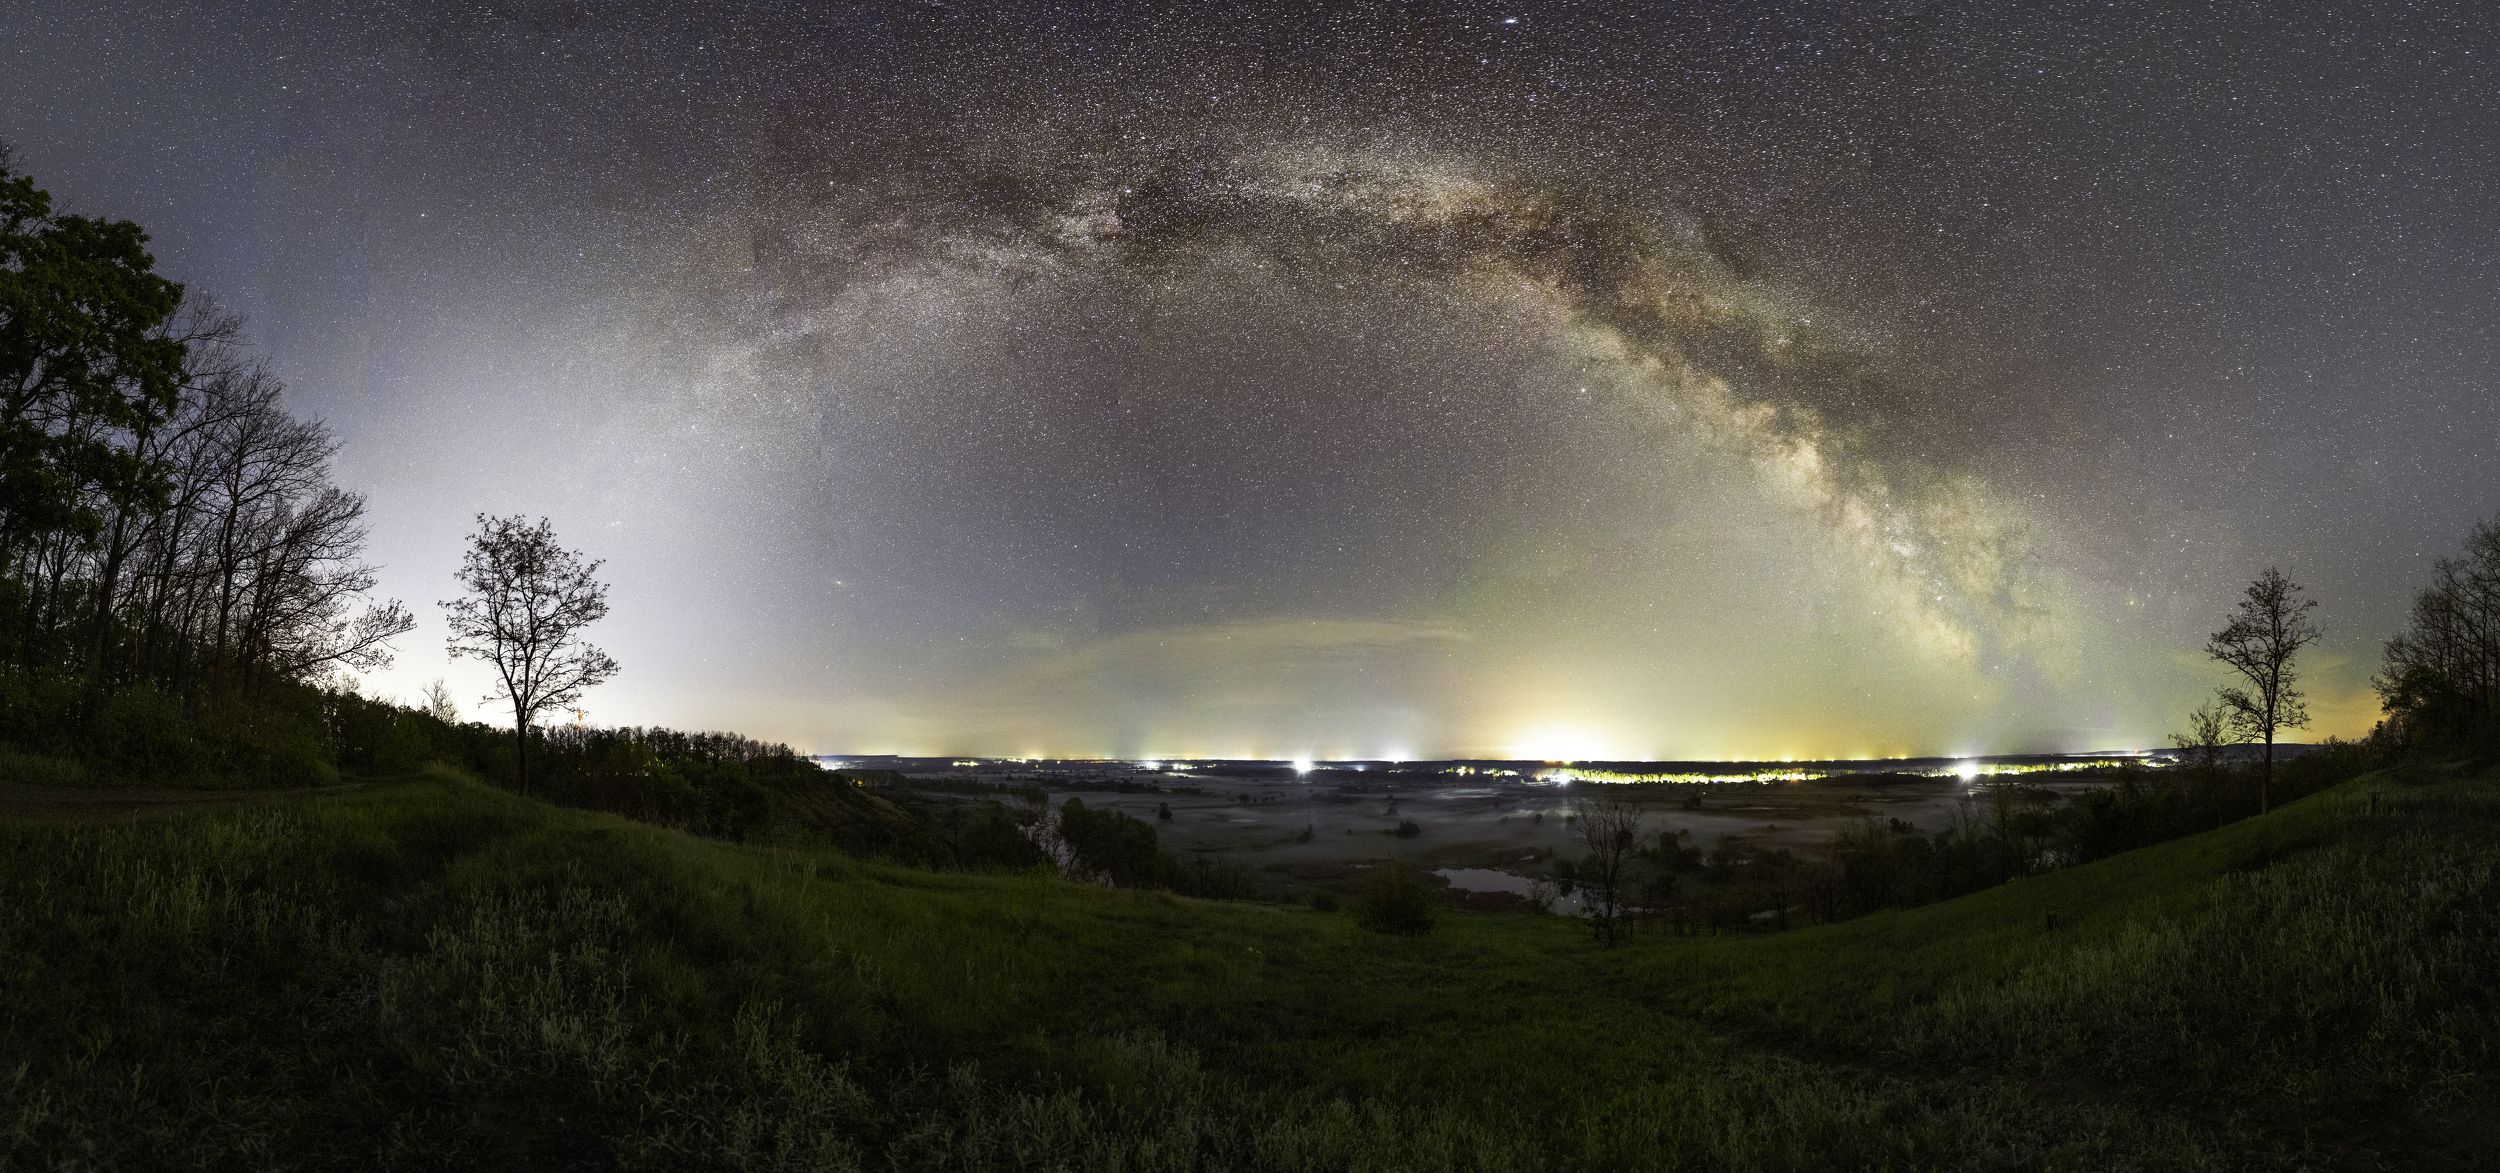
[2011, 831]
[174, 557]
[2440, 677]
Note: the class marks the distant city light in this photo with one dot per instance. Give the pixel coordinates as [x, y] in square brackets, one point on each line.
[1966, 771]
[1560, 743]
[1301, 766]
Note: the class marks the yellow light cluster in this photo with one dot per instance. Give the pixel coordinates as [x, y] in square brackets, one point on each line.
[1565, 777]
[1963, 770]
[1970, 770]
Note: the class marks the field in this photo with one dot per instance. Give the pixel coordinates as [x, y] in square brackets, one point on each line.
[424, 973]
[1322, 832]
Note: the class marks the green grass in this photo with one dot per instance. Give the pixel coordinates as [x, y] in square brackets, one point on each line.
[430, 974]
[25, 769]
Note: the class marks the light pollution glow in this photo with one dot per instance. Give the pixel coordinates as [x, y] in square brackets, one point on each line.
[1934, 566]
[1647, 382]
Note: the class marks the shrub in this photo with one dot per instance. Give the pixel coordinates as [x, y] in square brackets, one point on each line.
[991, 839]
[141, 732]
[1395, 900]
[1114, 847]
[1323, 900]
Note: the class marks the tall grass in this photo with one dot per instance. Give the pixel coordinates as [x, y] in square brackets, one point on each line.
[2360, 972]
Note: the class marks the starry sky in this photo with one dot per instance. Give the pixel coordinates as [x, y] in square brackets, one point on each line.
[1625, 380]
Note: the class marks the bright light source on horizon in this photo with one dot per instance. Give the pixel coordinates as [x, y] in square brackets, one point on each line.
[1301, 766]
[1559, 743]
[1966, 770]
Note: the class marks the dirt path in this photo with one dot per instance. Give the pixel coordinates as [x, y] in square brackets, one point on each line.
[20, 802]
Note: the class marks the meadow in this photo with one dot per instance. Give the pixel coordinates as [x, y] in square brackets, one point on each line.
[429, 973]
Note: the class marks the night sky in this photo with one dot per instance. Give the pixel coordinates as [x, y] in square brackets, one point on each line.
[1639, 380]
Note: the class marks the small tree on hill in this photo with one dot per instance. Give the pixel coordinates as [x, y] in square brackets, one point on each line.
[2261, 643]
[528, 600]
[2209, 731]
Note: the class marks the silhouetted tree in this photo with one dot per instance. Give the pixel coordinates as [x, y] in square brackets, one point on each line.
[84, 362]
[528, 600]
[2209, 729]
[2261, 643]
[1611, 830]
[163, 519]
[2439, 678]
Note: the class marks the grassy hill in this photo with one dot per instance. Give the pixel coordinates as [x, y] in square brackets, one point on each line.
[428, 973]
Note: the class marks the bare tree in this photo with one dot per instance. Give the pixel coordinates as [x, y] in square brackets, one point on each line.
[1611, 830]
[163, 518]
[2209, 729]
[2200, 745]
[528, 600]
[436, 702]
[2260, 643]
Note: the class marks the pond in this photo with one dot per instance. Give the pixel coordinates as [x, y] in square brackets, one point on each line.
[1495, 880]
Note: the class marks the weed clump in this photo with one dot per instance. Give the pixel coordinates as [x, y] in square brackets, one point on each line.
[1395, 900]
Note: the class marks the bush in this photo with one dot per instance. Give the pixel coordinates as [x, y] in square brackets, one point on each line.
[1114, 847]
[1323, 900]
[991, 839]
[1395, 900]
[291, 765]
[142, 733]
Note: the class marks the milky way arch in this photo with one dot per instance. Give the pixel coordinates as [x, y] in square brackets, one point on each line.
[1657, 316]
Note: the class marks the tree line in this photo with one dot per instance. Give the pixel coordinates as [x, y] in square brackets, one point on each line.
[165, 521]
[179, 573]
[2439, 678]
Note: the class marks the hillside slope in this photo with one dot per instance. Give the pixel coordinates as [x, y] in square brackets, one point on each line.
[431, 973]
